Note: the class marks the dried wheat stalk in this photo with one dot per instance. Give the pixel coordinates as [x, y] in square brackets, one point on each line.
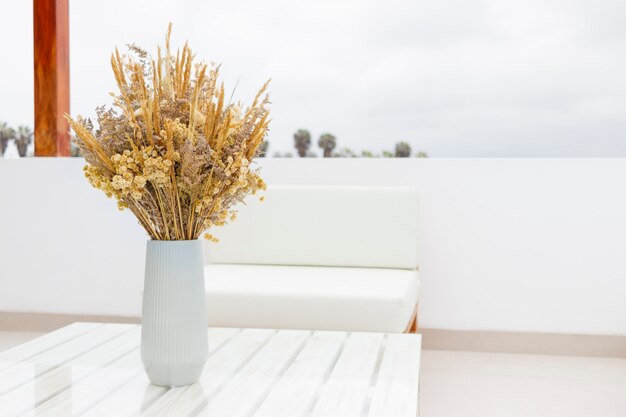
[171, 149]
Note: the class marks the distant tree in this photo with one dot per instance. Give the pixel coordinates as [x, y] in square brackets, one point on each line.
[263, 149]
[277, 155]
[345, 153]
[75, 150]
[6, 134]
[23, 139]
[302, 142]
[367, 154]
[421, 154]
[328, 143]
[403, 150]
[287, 155]
[387, 154]
[311, 154]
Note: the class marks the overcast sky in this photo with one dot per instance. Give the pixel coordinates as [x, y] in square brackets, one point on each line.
[451, 77]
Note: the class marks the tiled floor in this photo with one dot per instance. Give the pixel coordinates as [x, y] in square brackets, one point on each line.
[470, 384]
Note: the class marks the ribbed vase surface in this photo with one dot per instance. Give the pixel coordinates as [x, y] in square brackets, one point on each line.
[174, 334]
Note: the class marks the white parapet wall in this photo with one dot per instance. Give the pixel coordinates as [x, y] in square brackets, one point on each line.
[507, 244]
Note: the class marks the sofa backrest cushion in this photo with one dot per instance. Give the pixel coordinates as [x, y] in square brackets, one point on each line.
[322, 226]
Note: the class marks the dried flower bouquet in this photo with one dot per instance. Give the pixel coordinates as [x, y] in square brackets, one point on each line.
[171, 149]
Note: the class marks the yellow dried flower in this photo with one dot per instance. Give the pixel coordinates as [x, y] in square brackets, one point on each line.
[210, 237]
[173, 152]
[140, 181]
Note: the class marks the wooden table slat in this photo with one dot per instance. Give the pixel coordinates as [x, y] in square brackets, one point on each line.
[345, 393]
[41, 344]
[398, 379]
[257, 377]
[51, 359]
[94, 370]
[89, 391]
[138, 394]
[26, 396]
[218, 369]
[293, 394]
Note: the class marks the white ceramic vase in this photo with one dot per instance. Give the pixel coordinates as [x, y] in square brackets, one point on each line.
[174, 333]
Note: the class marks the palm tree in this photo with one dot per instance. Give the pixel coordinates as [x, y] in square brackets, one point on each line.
[302, 142]
[75, 150]
[263, 149]
[345, 153]
[23, 139]
[6, 134]
[403, 150]
[327, 142]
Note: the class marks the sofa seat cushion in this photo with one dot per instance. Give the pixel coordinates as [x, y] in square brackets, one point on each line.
[316, 298]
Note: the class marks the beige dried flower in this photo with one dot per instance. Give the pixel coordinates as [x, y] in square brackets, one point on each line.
[171, 149]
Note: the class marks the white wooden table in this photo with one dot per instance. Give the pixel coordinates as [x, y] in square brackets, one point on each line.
[89, 369]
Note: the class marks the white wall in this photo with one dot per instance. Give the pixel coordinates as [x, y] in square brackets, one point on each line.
[63, 246]
[508, 244]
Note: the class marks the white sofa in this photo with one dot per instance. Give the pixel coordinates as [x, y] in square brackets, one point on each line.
[323, 258]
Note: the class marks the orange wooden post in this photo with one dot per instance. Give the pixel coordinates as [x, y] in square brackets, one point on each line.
[52, 77]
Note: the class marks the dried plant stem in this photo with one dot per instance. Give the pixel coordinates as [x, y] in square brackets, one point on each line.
[170, 149]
